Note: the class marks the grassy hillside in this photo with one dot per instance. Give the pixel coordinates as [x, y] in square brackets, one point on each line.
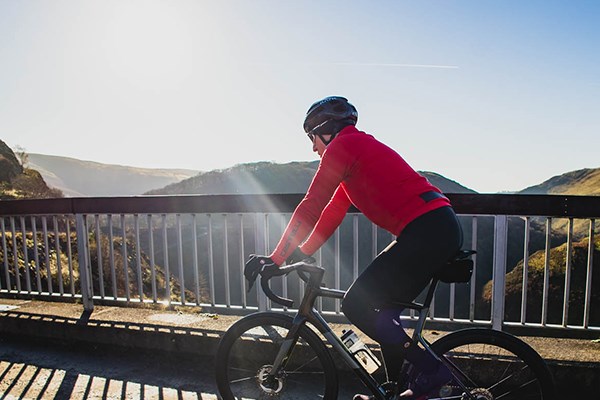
[267, 177]
[582, 182]
[86, 178]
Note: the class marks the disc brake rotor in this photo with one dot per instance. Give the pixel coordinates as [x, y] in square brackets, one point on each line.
[271, 385]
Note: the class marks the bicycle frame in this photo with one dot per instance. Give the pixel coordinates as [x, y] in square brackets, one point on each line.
[308, 313]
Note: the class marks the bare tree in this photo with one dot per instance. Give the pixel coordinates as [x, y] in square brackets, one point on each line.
[22, 155]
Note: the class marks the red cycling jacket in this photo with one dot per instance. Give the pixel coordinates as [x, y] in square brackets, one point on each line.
[356, 169]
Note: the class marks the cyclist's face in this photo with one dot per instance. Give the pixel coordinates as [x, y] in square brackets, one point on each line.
[318, 145]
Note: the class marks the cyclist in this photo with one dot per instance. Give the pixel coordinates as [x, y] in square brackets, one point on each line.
[356, 169]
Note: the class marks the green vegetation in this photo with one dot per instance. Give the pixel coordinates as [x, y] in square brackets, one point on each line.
[52, 270]
[556, 277]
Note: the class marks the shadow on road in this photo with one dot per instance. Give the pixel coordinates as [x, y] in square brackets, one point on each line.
[40, 371]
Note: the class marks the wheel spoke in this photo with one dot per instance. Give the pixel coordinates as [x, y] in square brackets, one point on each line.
[247, 363]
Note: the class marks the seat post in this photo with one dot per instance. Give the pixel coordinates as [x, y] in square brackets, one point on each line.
[424, 310]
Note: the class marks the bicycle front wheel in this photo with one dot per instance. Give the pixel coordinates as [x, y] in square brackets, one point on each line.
[494, 365]
[247, 352]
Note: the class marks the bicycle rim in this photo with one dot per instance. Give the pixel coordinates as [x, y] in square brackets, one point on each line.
[247, 352]
[494, 365]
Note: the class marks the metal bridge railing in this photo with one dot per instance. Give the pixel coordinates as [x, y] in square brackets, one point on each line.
[535, 265]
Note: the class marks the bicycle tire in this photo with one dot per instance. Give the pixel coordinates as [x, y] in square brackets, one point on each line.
[494, 365]
[248, 349]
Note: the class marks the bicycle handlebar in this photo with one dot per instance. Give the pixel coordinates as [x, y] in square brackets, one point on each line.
[315, 277]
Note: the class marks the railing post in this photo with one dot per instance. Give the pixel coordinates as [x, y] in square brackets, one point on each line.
[84, 267]
[499, 270]
[260, 236]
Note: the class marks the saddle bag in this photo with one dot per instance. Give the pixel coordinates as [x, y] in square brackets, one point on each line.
[459, 269]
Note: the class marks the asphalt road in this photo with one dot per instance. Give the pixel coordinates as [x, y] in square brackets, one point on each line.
[50, 371]
[38, 371]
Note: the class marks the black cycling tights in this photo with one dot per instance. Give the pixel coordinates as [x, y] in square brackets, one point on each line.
[399, 274]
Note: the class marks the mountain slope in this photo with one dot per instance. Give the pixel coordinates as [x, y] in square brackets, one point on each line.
[86, 178]
[581, 182]
[267, 177]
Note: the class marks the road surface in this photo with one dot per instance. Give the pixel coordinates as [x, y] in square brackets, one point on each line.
[50, 371]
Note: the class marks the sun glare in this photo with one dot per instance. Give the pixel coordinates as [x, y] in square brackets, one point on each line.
[149, 43]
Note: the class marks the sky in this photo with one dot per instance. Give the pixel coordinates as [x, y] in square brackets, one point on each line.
[496, 95]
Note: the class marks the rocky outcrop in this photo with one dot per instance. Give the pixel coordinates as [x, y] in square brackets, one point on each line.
[9, 165]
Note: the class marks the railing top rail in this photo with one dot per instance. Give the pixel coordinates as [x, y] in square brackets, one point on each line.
[477, 204]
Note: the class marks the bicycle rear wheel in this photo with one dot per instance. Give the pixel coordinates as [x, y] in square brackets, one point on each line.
[248, 349]
[494, 365]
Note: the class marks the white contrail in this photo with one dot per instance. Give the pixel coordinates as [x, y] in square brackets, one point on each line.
[354, 64]
[397, 65]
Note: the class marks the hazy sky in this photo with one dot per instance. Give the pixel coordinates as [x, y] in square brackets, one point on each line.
[497, 95]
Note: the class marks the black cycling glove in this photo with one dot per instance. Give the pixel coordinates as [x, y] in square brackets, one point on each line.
[254, 266]
[296, 256]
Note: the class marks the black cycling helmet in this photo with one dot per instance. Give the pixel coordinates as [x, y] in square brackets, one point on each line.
[329, 116]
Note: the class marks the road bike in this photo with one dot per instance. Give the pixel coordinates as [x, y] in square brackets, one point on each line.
[269, 355]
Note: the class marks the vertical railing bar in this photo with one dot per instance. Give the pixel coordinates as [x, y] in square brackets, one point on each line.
[499, 270]
[432, 307]
[5, 252]
[70, 256]
[525, 284]
[99, 255]
[36, 255]
[569, 260]
[47, 254]
[320, 262]
[125, 258]
[211, 262]
[267, 248]
[284, 279]
[111, 255]
[88, 256]
[241, 265]
[260, 247]
[138, 257]
[180, 258]
[25, 255]
[546, 272]
[166, 260]
[226, 261]
[474, 225]
[452, 301]
[374, 251]
[58, 254]
[15, 254]
[152, 260]
[195, 260]
[301, 286]
[83, 259]
[337, 267]
[354, 247]
[588, 279]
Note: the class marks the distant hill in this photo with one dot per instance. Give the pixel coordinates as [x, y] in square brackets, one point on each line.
[267, 177]
[87, 178]
[581, 182]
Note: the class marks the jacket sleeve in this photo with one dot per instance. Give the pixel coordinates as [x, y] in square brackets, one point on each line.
[330, 219]
[327, 179]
